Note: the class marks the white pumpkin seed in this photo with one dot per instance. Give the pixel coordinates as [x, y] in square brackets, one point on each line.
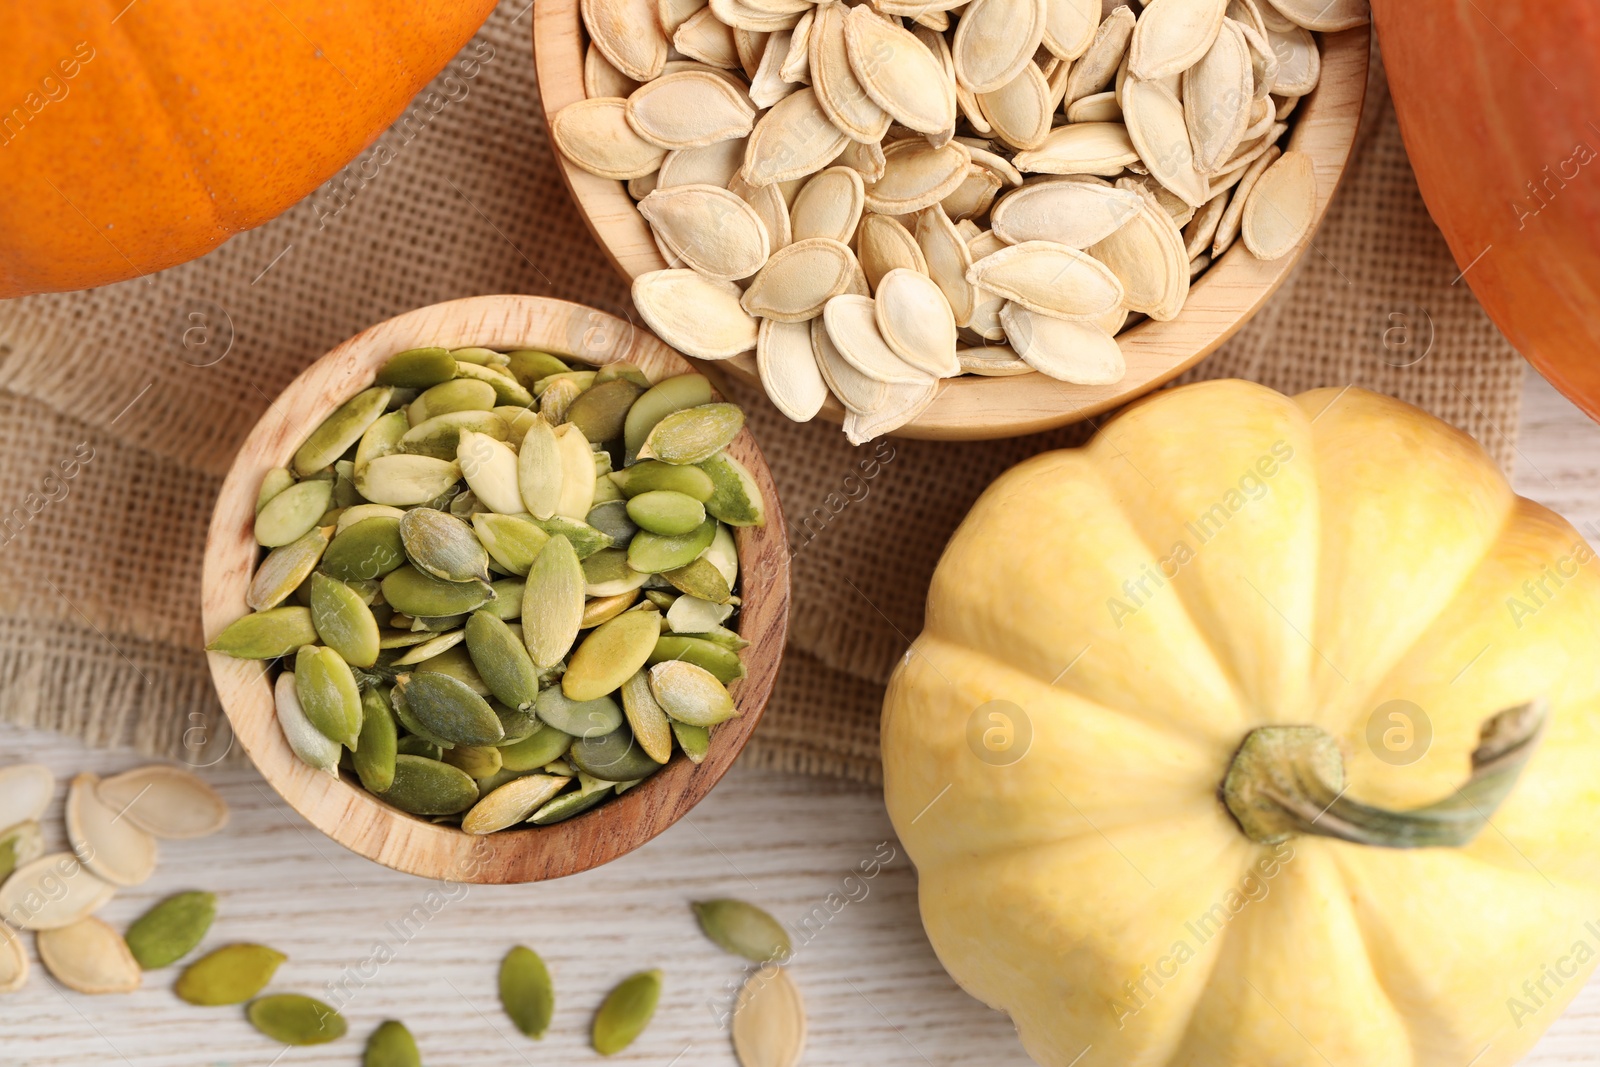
[1147, 256]
[595, 135]
[852, 326]
[1326, 16]
[1080, 148]
[994, 40]
[1157, 128]
[51, 892]
[714, 164]
[1072, 213]
[490, 469]
[1299, 61]
[1228, 227]
[1218, 97]
[25, 792]
[13, 961]
[111, 846]
[1019, 111]
[1049, 278]
[994, 361]
[767, 84]
[799, 279]
[796, 64]
[857, 392]
[1100, 107]
[948, 261]
[1280, 208]
[916, 322]
[89, 957]
[166, 801]
[829, 205]
[885, 245]
[711, 229]
[705, 37]
[842, 97]
[1172, 35]
[691, 109]
[900, 405]
[788, 370]
[628, 35]
[1200, 231]
[600, 78]
[769, 1020]
[1095, 69]
[1070, 27]
[1077, 352]
[897, 71]
[697, 316]
[917, 175]
[792, 140]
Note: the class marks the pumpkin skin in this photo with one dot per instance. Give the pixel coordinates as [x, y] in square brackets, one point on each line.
[135, 141]
[1504, 159]
[1364, 552]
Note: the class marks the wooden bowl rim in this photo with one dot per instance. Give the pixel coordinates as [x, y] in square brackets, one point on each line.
[971, 407]
[339, 807]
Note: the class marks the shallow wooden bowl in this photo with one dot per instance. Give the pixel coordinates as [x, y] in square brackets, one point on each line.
[972, 407]
[339, 807]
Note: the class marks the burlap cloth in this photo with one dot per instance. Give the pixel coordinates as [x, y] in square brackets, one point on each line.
[159, 379]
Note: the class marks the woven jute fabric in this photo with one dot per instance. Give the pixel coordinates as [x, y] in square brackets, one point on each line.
[122, 407]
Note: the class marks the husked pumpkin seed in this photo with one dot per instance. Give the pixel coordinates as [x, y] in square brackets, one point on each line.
[443, 546]
[701, 578]
[415, 593]
[722, 663]
[577, 472]
[693, 434]
[478, 762]
[459, 394]
[428, 647]
[328, 694]
[293, 513]
[502, 660]
[650, 726]
[655, 404]
[743, 929]
[343, 621]
[228, 975]
[512, 541]
[526, 992]
[552, 603]
[89, 957]
[439, 437]
[378, 741]
[691, 694]
[694, 741]
[625, 1013]
[511, 803]
[611, 653]
[311, 745]
[418, 368]
[266, 634]
[653, 553]
[448, 708]
[405, 480]
[545, 745]
[584, 539]
[607, 574]
[430, 787]
[296, 1020]
[340, 430]
[276, 481]
[285, 567]
[665, 512]
[614, 757]
[489, 467]
[691, 615]
[566, 806]
[600, 411]
[649, 476]
[171, 929]
[585, 718]
[611, 518]
[391, 1045]
[368, 549]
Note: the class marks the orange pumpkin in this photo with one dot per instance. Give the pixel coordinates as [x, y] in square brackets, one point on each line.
[138, 134]
[1495, 103]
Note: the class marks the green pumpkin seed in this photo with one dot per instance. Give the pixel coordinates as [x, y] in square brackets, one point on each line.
[430, 647]
[510, 804]
[266, 634]
[743, 929]
[389, 640]
[276, 481]
[611, 653]
[418, 368]
[285, 567]
[443, 546]
[343, 621]
[701, 579]
[693, 434]
[607, 573]
[565, 807]
[490, 468]
[455, 662]
[577, 472]
[691, 615]
[478, 761]
[293, 513]
[429, 787]
[417, 594]
[597, 610]
[530, 365]
[296, 1020]
[344, 488]
[229, 975]
[552, 603]
[585, 718]
[518, 422]
[518, 723]
[722, 637]
[737, 498]
[624, 370]
[309, 744]
[478, 356]
[171, 930]
[379, 741]
[382, 438]
[666, 513]
[652, 475]
[539, 469]
[656, 554]
[660, 597]
[659, 401]
[604, 490]
[19, 844]
[439, 623]
[502, 661]
[601, 410]
[413, 725]
[447, 708]
[371, 548]
[695, 741]
[614, 757]
[439, 436]
[526, 992]
[407, 480]
[507, 602]
[507, 390]
[512, 541]
[610, 517]
[538, 749]
[627, 1010]
[412, 745]
[341, 430]
[391, 1045]
[650, 725]
[691, 694]
[578, 380]
[584, 539]
[460, 394]
[328, 694]
[723, 664]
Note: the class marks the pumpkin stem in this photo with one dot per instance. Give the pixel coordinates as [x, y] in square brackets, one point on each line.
[1288, 780]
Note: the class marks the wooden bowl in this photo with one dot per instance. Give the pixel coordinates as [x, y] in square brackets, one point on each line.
[339, 807]
[972, 407]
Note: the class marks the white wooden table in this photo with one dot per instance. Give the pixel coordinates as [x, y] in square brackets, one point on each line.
[387, 945]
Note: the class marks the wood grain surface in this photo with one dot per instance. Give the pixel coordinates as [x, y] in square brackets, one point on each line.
[394, 946]
[339, 806]
[972, 407]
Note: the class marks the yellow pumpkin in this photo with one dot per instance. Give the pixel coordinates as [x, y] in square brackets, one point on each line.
[1336, 604]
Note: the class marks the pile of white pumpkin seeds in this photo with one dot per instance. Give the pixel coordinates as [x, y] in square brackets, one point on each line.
[876, 195]
[499, 585]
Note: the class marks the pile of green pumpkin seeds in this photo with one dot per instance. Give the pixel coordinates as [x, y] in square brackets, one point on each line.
[500, 586]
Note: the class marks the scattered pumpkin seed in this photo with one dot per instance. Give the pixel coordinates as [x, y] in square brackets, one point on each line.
[391, 1045]
[743, 929]
[526, 991]
[656, 553]
[165, 801]
[538, 749]
[477, 761]
[626, 1011]
[695, 741]
[565, 807]
[735, 498]
[659, 401]
[769, 1020]
[652, 474]
[89, 957]
[552, 603]
[585, 718]
[171, 929]
[296, 1020]
[416, 593]
[502, 660]
[228, 975]
[613, 757]
[276, 481]
[112, 847]
[721, 663]
[512, 541]
[512, 803]
[365, 550]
